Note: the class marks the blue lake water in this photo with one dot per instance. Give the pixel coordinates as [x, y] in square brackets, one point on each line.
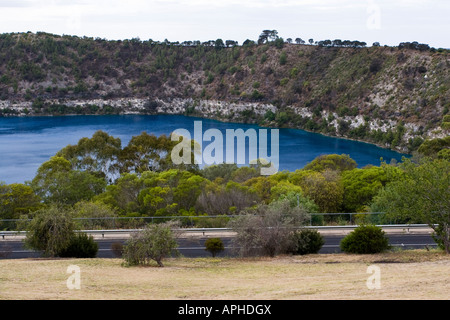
[27, 142]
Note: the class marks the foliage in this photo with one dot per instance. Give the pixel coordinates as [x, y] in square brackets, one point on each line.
[332, 162]
[214, 246]
[57, 182]
[232, 197]
[365, 239]
[328, 184]
[146, 153]
[325, 189]
[266, 230]
[50, 231]
[155, 242]
[297, 199]
[154, 193]
[307, 241]
[223, 171]
[283, 59]
[97, 155]
[432, 148]
[421, 195]
[80, 246]
[123, 195]
[17, 199]
[170, 191]
[206, 221]
[360, 186]
[92, 215]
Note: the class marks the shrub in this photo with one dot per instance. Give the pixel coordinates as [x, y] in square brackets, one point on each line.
[284, 81]
[256, 95]
[214, 246]
[50, 231]
[81, 246]
[365, 239]
[154, 242]
[212, 222]
[283, 59]
[307, 241]
[267, 229]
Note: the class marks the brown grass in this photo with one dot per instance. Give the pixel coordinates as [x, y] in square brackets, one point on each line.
[404, 275]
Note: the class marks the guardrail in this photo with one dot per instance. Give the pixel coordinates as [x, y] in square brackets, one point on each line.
[406, 227]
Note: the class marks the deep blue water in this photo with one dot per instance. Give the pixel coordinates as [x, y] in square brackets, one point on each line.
[27, 142]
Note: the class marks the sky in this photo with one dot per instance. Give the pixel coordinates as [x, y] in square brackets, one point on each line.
[388, 22]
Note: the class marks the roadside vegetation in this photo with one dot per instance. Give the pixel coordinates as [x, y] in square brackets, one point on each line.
[99, 184]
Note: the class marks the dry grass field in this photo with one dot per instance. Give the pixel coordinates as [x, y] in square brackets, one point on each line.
[417, 274]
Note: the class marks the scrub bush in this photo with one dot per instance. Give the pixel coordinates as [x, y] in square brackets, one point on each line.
[307, 241]
[365, 239]
[214, 246]
[81, 246]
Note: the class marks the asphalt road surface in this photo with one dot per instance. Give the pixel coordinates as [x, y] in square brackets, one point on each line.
[194, 246]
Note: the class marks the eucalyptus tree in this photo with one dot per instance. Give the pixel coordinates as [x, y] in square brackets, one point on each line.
[421, 194]
[17, 199]
[147, 152]
[97, 155]
[268, 36]
[56, 182]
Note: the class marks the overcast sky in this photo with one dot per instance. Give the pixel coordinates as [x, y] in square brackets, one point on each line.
[386, 21]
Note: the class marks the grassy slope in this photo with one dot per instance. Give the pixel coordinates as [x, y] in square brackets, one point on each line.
[333, 277]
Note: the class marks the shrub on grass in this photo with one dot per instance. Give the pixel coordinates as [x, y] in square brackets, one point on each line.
[214, 246]
[365, 239]
[267, 229]
[50, 231]
[81, 246]
[155, 242]
[307, 241]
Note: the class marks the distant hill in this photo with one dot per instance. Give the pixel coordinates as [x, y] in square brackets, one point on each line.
[392, 96]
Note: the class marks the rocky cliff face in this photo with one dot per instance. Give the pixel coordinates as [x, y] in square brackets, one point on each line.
[393, 97]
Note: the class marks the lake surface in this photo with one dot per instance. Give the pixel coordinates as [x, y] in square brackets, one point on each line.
[27, 142]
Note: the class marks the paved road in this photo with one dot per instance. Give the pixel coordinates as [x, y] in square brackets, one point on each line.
[194, 246]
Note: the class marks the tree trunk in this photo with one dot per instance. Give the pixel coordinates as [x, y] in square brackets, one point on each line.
[446, 236]
[159, 262]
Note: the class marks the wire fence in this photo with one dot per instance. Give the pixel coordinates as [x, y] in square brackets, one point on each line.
[205, 221]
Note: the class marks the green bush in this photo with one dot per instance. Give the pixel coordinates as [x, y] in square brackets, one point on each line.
[283, 58]
[214, 246]
[365, 239]
[154, 242]
[81, 246]
[308, 241]
[50, 231]
[212, 222]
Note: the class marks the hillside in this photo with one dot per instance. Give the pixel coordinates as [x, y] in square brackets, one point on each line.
[395, 97]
